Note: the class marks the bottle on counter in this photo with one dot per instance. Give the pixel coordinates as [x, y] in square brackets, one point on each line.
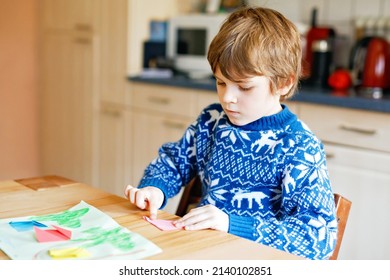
[322, 62]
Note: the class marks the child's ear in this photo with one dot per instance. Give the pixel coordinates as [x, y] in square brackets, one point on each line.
[286, 87]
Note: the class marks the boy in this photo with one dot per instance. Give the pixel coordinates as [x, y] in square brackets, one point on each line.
[263, 172]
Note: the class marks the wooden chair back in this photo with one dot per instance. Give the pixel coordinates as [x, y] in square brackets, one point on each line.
[193, 191]
[343, 207]
[191, 195]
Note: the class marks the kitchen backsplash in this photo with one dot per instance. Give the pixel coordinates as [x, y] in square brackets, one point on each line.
[350, 18]
[343, 16]
[330, 12]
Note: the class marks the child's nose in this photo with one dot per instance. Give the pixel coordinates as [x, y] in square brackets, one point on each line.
[230, 95]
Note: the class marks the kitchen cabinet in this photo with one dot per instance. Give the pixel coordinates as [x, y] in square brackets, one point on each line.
[358, 156]
[114, 116]
[86, 127]
[84, 56]
[67, 98]
[70, 14]
[113, 51]
[114, 122]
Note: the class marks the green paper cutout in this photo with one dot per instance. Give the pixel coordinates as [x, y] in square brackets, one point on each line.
[117, 238]
[68, 218]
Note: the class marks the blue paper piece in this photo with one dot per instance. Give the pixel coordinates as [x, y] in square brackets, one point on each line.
[25, 225]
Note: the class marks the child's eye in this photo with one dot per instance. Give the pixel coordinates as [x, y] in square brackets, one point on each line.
[245, 88]
[220, 83]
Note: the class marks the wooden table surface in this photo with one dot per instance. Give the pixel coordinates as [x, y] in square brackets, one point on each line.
[51, 194]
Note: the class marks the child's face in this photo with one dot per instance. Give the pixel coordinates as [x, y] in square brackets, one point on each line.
[246, 100]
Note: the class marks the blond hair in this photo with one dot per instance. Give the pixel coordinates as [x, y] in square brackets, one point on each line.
[258, 41]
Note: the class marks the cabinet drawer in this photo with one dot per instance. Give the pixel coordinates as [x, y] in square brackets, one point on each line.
[206, 98]
[370, 130]
[362, 159]
[164, 99]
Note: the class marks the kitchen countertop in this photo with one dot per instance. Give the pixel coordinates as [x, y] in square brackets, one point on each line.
[306, 94]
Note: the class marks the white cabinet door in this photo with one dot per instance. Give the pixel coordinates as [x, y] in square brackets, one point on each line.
[113, 51]
[363, 177]
[70, 14]
[84, 62]
[70, 69]
[114, 116]
[113, 124]
[67, 105]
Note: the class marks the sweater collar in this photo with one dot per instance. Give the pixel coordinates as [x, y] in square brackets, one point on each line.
[276, 121]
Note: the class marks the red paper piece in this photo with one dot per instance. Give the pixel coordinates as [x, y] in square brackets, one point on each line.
[49, 235]
[162, 224]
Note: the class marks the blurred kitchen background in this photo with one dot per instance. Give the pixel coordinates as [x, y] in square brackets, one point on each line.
[20, 45]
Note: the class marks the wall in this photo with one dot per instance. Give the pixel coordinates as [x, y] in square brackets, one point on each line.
[140, 14]
[18, 89]
[340, 14]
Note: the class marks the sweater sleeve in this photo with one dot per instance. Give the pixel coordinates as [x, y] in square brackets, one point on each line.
[174, 167]
[307, 224]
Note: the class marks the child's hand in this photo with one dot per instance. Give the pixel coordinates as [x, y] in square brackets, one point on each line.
[150, 198]
[207, 216]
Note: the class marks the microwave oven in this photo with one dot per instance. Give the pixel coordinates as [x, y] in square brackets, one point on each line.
[188, 39]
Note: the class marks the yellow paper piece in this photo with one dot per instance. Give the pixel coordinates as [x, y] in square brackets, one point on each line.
[69, 253]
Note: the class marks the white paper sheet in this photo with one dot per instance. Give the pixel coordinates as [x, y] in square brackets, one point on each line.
[94, 233]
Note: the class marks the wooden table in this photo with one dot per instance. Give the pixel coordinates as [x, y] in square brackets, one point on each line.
[51, 194]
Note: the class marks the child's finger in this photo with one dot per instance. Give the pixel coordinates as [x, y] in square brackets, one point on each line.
[133, 195]
[127, 191]
[141, 199]
[153, 208]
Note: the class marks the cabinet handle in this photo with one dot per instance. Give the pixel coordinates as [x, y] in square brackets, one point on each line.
[330, 155]
[174, 125]
[360, 130]
[159, 100]
[84, 41]
[112, 112]
[83, 27]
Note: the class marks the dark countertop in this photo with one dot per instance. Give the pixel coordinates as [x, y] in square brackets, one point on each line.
[306, 94]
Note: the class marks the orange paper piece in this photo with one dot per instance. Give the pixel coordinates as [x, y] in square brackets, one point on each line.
[162, 224]
[49, 235]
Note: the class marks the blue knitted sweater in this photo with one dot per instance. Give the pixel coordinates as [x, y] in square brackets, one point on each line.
[269, 176]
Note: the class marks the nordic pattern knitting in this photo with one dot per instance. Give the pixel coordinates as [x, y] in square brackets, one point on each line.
[269, 176]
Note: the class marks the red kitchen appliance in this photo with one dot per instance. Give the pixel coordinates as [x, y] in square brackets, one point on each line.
[370, 66]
